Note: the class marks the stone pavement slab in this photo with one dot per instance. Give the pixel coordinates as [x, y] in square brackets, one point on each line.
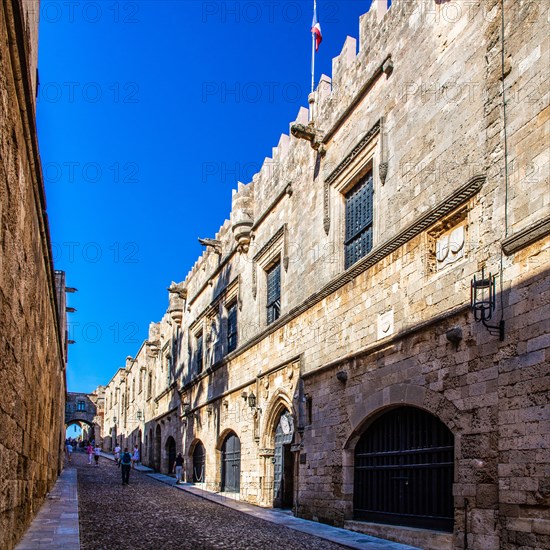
[56, 524]
[344, 537]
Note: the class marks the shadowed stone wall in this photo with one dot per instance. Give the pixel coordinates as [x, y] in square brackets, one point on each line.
[32, 376]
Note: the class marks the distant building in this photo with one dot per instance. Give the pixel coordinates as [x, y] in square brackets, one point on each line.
[32, 306]
[322, 354]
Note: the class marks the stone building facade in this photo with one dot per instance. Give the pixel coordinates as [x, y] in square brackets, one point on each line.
[32, 307]
[323, 354]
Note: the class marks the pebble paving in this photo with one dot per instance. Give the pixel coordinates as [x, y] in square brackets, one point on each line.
[149, 515]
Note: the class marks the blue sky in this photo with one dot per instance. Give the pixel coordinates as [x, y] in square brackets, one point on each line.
[148, 114]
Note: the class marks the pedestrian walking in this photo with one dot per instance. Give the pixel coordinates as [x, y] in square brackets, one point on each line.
[90, 451]
[135, 456]
[69, 449]
[125, 466]
[178, 468]
[97, 453]
[116, 454]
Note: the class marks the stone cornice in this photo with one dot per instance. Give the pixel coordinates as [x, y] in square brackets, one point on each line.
[526, 236]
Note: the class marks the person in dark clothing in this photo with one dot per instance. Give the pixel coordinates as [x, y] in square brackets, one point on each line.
[125, 466]
[178, 468]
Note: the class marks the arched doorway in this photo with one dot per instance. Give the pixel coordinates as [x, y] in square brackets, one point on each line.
[157, 451]
[283, 462]
[199, 459]
[404, 471]
[231, 464]
[170, 453]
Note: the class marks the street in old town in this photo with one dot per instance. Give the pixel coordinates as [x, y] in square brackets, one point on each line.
[151, 514]
[289, 259]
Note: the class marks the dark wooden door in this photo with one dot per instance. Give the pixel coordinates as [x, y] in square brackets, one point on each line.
[283, 463]
[198, 463]
[231, 464]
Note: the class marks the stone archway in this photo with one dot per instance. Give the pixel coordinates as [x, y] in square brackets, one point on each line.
[81, 410]
[279, 462]
[366, 412]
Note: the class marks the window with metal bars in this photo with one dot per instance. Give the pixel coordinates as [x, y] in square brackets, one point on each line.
[198, 353]
[404, 471]
[81, 406]
[359, 217]
[232, 327]
[273, 292]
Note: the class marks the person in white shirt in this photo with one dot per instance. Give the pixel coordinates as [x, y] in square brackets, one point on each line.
[117, 454]
[97, 453]
[135, 456]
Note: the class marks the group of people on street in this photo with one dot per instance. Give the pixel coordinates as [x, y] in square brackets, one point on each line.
[125, 460]
[94, 452]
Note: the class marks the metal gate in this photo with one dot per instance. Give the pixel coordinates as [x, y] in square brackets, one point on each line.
[404, 471]
[231, 464]
[199, 457]
[282, 467]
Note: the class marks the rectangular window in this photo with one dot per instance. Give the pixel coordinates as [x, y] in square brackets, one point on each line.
[232, 327]
[274, 293]
[359, 218]
[198, 353]
[81, 406]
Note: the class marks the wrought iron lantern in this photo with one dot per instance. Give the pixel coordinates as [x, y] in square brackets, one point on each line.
[139, 415]
[483, 302]
[252, 400]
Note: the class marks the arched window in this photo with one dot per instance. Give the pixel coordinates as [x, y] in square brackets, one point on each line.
[404, 471]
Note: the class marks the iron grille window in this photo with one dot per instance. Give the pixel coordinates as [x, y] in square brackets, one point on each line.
[232, 327]
[274, 293]
[81, 406]
[359, 215]
[404, 471]
[198, 356]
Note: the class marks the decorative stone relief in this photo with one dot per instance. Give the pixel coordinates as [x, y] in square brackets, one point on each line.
[449, 247]
[385, 324]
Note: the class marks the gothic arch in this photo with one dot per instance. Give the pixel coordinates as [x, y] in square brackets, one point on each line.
[279, 403]
[223, 436]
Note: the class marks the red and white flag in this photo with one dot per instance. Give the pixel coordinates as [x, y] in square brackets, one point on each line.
[316, 28]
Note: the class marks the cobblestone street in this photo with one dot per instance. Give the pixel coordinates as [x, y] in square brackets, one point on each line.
[147, 514]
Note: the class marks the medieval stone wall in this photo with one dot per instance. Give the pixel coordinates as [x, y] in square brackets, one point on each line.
[421, 106]
[32, 384]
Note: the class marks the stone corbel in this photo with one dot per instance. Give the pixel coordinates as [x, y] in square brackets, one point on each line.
[309, 133]
[214, 244]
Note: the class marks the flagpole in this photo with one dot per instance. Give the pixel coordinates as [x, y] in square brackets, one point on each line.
[313, 52]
